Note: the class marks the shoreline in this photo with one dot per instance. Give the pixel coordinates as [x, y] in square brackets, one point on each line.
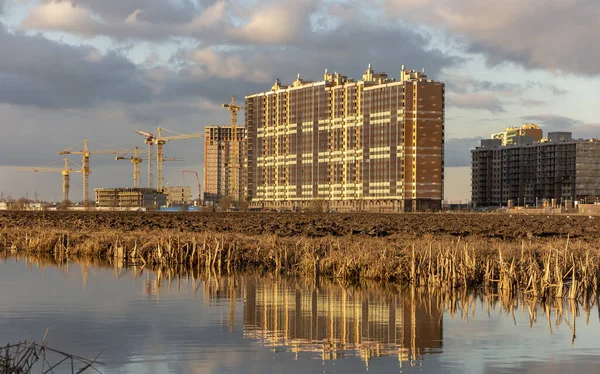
[545, 267]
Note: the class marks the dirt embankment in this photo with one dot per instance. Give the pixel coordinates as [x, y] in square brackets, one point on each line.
[499, 226]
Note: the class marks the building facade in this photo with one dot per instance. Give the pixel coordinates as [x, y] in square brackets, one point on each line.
[559, 169]
[529, 129]
[178, 195]
[224, 163]
[129, 197]
[372, 144]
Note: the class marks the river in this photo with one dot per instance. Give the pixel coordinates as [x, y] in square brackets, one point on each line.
[157, 322]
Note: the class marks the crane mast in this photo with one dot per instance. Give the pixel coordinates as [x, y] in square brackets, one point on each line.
[160, 142]
[136, 161]
[150, 142]
[85, 163]
[65, 171]
[234, 148]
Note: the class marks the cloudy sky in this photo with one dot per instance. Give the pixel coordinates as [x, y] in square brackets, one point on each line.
[100, 69]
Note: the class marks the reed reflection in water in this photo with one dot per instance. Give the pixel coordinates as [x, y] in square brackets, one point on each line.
[389, 327]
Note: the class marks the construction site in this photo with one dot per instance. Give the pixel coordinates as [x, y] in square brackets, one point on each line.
[374, 144]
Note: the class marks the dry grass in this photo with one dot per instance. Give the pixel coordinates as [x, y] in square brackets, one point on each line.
[539, 268]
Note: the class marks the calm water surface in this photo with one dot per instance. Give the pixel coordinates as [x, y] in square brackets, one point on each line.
[144, 322]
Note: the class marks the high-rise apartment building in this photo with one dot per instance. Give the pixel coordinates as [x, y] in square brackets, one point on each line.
[558, 169]
[376, 143]
[223, 163]
[508, 136]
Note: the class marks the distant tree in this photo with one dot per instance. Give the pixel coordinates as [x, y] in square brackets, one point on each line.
[65, 204]
[225, 203]
[244, 204]
[21, 204]
[317, 206]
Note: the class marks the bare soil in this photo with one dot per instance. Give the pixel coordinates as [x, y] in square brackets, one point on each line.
[480, 225]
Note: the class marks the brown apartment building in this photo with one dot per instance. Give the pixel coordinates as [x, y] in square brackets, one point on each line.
[223, 163]
[372, 144]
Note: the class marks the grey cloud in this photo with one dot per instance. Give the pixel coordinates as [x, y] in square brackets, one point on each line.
[154, 11]
[556, 36]
[552, 122]
[547, 87]
[457, 151]
[532, 103]
[43, 73]
[477, 101]
[464, 84]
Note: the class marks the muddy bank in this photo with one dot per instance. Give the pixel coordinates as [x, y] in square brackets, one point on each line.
[500, 226]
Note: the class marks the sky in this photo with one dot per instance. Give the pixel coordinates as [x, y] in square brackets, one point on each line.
[100, 69]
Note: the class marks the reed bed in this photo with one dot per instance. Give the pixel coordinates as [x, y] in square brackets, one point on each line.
[540, 268]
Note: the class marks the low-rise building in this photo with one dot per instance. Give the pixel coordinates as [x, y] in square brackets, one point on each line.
[178, 195]
[129, 197]
[556, 170]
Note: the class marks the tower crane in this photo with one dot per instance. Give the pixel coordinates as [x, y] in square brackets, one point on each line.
[197, 179]
[136, 161]
[150, 142]
[231, 107]
[85, 159]
[160, 141]
[66, 170]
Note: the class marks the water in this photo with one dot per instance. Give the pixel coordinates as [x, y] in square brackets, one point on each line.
[144, 322]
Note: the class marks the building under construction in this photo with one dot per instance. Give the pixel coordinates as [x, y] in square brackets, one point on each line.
[129, 197]
[556, 170]
[223, 163]
[178, 195]
[372, 144]
[509, 135]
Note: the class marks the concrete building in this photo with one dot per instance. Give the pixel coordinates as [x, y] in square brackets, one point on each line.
[223, 163]
[372, 144]
[129, 197]
[508, 136]
[178, 195]
[557, 170]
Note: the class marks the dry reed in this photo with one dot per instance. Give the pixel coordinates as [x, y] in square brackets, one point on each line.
[539, 268]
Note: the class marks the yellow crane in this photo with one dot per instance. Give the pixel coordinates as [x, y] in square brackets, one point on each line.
[66, 170]
[160, 141]
[150, 142]
[85, 160]
[233, 109]
[136, 161]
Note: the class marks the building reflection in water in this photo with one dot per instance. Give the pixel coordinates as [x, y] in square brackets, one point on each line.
[327, 319]
[336, 322]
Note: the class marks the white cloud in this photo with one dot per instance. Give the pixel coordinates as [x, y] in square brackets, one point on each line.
[277, 23]
[222, 65]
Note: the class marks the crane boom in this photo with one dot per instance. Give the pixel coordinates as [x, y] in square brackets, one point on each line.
[66, 170]
[160, 142]
[85, 160]
[150, 142]
[136, 161]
